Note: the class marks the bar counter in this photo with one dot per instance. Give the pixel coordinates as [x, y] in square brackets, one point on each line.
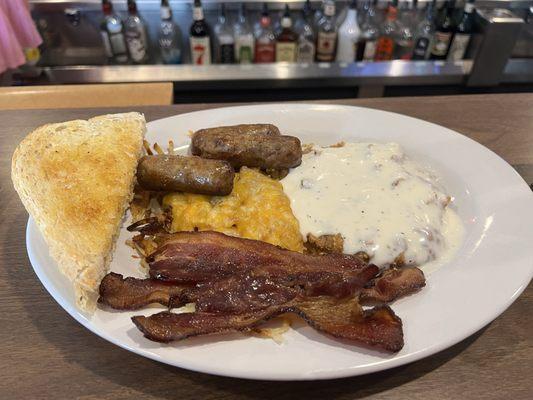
[47, 354]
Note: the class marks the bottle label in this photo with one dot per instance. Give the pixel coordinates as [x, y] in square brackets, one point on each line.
[244, 49]
[227, 53]
[325, 49]
[442, 41]
[384, 49]
[246, 55]
[459, 45]
[117, 43]
[346, 49]
[200, 50]
[403, 50]
[285, 52]
[370, 50]
[136, 47]
[197, 13]
[306, 51]
[265, 53]
[107, 44]
[421, 49]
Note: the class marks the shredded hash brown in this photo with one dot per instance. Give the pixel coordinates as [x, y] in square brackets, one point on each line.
[257, 208]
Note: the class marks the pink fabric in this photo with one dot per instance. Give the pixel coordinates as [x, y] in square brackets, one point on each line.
[17, 31]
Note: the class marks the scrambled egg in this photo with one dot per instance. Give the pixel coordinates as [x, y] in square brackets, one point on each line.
[256, 209]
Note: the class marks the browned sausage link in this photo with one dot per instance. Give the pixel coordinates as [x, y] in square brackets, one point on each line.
[171, 173]
[245, 129]
[251, 150]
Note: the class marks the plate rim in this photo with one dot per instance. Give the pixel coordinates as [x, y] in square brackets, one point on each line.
[385, 364]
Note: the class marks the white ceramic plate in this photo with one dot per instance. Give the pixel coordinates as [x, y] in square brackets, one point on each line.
[492, 268]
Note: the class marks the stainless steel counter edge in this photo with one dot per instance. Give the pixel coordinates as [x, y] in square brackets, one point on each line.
[320, 74]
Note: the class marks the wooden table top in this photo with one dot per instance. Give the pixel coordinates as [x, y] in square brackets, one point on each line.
[47, 354]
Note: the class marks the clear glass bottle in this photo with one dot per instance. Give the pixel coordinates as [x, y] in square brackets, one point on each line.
[286, 40]
[244, 38]
[463, 33]
[225, 43]
[388, 34]
[349, 35]
[135, 32]
[200, 39]
[424, 33]
[327, 34]
[265, 50]
[112, 32]
[305, 52]
[366, 49]
[403, 48]
[169, 37]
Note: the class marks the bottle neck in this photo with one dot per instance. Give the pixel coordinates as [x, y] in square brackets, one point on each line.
[352, 14]
[329, 9]
[166, 13]
[286, 22]
[469, 8]
[107, 9]
[392, 13]
[198, 13]
[265, 21]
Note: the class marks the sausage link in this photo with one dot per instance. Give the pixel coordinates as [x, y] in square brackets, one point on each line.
[172, 173]
[251, 150]
[244, 129]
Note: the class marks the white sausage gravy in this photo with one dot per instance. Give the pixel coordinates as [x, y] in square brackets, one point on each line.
[379, 200]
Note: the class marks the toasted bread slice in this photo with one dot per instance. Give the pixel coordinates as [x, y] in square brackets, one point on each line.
[76, 180]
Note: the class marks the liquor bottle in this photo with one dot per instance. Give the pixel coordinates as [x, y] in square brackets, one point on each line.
[199, 37]
[286, 40]
[403, 48]
[443, 34]
[244, 39]
[225, 44]
[366, 48]
[135, 32]
[112, 32]
[385, 44]
[265, 50]
[464, 31]
[424, 33]
[169, 37]
[305, 52]
[349, 34]
[327, 34]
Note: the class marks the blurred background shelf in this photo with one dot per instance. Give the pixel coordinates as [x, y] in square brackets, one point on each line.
[73, 54]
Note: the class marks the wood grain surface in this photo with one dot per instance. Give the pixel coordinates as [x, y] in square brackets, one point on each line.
[46, 354]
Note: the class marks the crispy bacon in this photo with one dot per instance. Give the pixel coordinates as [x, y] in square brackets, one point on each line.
[132, 293]
[379, 327]
[236, 284]
[193, 257]
[237, 295]
[393, 284]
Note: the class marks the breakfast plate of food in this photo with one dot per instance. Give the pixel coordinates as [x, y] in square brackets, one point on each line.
[279, 242]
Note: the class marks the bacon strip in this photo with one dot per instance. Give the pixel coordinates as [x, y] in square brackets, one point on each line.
[238, 295]
[393, 284]
[379, 327]
[132, 293]
[193, 257]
